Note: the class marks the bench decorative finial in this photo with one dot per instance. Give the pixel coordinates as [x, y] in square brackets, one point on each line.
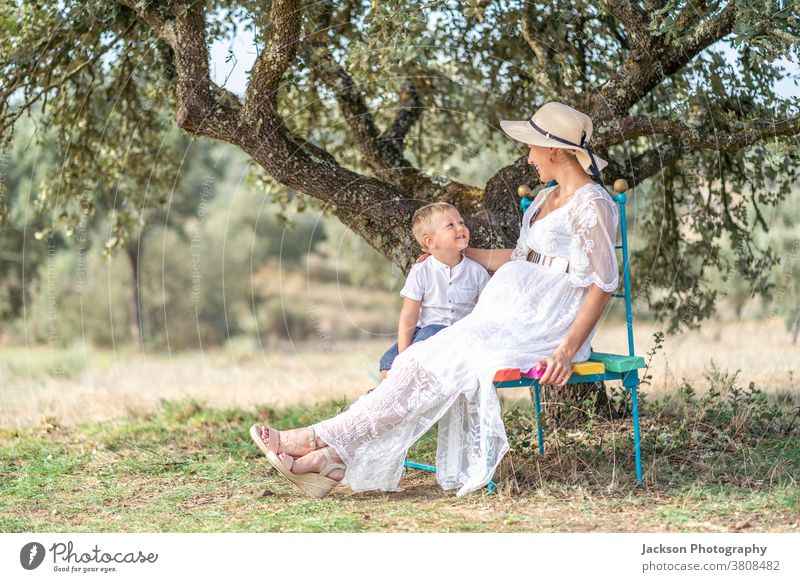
[621, 185]
[523, 191]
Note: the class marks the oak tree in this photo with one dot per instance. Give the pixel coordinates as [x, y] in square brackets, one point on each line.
[357, 103]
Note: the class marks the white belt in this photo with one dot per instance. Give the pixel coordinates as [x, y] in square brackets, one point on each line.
[560, 264]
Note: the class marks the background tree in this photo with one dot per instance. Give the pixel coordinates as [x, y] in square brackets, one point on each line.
[357, 103]
[20, 255]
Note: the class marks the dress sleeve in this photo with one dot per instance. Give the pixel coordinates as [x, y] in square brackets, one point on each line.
[593, 258]
[415, 284]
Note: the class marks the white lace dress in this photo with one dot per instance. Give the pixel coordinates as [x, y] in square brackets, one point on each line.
[521, 317]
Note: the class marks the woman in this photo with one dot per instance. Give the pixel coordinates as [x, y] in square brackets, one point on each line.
[541, 307]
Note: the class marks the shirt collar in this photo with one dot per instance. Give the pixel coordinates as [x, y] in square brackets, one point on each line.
[443, 266]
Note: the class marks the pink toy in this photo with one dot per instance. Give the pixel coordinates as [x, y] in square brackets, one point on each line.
[533, 373]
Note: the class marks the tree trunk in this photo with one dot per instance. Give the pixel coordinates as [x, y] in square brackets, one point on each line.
[132, 250]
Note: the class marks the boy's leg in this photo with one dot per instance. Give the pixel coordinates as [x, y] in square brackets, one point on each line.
[420, 334]
[424, 333]
[386, 361]
[387, 358]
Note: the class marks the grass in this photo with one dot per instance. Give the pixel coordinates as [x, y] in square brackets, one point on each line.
[81, 382]
[191, 468]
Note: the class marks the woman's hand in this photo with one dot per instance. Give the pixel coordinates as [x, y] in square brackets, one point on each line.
[559, 368]
[422, 257]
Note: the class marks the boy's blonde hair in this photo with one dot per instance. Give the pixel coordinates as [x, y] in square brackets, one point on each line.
[422, 223]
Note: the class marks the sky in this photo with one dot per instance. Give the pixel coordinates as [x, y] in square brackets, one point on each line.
[233, 73]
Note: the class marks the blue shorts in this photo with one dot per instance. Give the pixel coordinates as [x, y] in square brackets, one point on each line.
[420, 334]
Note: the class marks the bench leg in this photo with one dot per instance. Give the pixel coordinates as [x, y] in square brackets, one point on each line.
[631, 382]
[414, 465]
[538, 407]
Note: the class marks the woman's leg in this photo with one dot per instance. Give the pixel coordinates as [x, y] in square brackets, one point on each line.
[373, 436]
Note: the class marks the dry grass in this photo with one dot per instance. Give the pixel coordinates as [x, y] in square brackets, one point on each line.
[84, 384]
[112, 384]
[762, 349]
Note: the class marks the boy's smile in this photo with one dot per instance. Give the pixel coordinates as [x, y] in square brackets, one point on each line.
[450, 234]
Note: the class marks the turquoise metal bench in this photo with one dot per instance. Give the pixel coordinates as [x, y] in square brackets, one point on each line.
[601, 367]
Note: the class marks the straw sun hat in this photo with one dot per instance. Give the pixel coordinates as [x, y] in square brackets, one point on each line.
[556, 125]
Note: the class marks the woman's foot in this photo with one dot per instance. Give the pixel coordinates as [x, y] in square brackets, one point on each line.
[296, 442]
[316, 474]
[317, 462]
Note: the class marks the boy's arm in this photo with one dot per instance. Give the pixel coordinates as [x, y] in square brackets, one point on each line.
[490, 259]
[409, 316]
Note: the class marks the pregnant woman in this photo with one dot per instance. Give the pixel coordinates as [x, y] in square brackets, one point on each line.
[541, 307]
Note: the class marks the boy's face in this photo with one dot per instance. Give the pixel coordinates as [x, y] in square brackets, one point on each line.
[449, 232]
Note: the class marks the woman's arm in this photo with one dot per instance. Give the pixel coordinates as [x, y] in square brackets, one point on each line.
[559, 365]
[490, 259]
[409, 316]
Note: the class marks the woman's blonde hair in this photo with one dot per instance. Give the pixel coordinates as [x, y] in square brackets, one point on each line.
[422, 222]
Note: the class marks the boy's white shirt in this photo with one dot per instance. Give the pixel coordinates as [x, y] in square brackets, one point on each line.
[446, 294]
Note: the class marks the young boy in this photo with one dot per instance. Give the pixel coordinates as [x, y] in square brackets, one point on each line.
[441, 289]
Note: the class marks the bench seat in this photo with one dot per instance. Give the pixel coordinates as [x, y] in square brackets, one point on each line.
[599, 367]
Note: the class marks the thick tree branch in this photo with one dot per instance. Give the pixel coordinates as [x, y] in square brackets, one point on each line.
[501, 200]
[645, 165]
[704, 35]
[409, 113]
[358, 116]
[376, 210]
[632, 16]
[361, 202]
[265, 78]
[783, 36]
[205, 108]
[383, 152]
[628, 128]
[158, 23]
[655, 59]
